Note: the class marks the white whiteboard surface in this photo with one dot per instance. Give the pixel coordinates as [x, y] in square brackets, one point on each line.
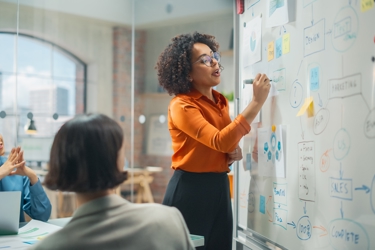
[327, 199]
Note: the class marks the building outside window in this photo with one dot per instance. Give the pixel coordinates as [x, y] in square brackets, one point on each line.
[40, 78]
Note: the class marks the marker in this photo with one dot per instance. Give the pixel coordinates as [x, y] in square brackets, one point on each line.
[250, 81]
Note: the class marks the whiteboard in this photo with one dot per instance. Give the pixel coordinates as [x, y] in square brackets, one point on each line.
[325, 52]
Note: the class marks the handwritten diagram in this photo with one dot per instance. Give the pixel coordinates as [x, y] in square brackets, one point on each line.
[326, 194]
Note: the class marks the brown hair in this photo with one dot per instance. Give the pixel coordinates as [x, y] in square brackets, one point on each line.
[84, 155]
[174, 63]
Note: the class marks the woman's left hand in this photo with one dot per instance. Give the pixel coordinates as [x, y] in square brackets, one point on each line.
[25, 171]
[235, 155]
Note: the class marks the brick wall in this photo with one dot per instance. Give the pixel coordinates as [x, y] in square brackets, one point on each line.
[122, 104]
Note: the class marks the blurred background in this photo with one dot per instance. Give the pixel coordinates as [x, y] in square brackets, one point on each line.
[59, 58]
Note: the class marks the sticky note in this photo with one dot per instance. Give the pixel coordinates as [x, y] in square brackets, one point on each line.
[286, 43]
[262, 204]
[279, 47]
[271, 50]
[366, 5]
[314, 78]
[307, 106]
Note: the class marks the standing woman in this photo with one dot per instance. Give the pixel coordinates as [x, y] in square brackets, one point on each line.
[204, 139]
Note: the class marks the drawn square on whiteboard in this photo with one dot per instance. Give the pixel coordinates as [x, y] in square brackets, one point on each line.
[262, 204]
[279, 47]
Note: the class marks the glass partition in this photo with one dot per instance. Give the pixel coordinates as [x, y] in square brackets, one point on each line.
[59, 59]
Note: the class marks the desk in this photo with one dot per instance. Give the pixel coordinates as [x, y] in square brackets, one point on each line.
[196, 239]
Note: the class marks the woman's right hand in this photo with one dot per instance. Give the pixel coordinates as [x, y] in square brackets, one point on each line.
[261, 88]
[12, 163]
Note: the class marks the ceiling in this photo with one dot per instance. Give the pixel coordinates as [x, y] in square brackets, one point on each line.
[148, 13]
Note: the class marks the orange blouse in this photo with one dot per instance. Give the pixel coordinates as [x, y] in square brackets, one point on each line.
[202, 132]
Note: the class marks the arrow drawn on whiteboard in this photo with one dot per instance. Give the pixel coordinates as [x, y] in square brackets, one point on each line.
[292, 224]
[299, 67]
[329, 32]
[365, 188]
[320, 103]
[341, 172]
[282, 27]
[312, 14]
[342, 211]
[304, 208]
[303, 133]
[325, 232]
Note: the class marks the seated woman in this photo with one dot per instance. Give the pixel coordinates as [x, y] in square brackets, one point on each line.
[87, 157]
[15, 176]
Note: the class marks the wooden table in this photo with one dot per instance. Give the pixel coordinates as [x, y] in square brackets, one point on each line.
[142, 177]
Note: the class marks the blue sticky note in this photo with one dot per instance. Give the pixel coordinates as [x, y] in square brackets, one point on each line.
[279, 47]
[262, 204]
[314, 78]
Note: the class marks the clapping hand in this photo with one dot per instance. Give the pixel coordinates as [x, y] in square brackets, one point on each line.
[23, 170]
[15, 161]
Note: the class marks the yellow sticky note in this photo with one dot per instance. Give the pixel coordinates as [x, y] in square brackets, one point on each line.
[307, 106]
[366, 5]
[286, 43]
[271, 50]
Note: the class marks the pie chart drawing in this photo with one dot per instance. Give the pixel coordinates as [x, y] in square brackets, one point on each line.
[253, 41]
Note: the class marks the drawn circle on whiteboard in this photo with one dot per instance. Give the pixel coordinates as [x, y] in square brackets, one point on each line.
[321, 121]
[304, 228]
[295, 96]
[273, 142]
[369, 126]
[341, 144]
[345, 29]
[372, 195]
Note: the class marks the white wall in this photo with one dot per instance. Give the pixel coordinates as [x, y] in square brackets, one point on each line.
[117, 11]
[157, 40]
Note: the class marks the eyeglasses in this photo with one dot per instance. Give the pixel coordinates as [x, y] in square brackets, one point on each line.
[207, 60]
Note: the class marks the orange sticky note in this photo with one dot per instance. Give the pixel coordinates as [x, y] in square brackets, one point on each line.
[307, 106]
[286, 43]
[366, 5]
[271, 50]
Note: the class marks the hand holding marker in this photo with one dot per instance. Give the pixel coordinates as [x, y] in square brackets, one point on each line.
[250, 81]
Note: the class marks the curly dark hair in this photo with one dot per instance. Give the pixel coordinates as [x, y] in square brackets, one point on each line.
[174, 63]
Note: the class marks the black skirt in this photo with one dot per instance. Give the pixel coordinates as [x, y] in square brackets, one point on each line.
[204, 201]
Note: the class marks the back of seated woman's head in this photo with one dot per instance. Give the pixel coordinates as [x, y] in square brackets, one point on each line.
[84, 155]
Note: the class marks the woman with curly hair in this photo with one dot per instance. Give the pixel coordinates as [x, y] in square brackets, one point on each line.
[204, 139]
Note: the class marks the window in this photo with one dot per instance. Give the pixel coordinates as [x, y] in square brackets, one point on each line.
[39, 77]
